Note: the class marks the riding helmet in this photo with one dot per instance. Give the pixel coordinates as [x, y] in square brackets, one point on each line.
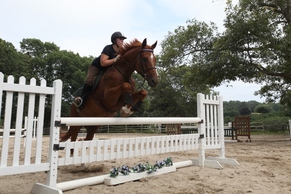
[116, 35]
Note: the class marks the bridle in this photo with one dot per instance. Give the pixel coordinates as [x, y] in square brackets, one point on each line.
[138, 60]
[141, 67]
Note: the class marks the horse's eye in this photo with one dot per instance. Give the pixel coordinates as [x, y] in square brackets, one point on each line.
[145, 59]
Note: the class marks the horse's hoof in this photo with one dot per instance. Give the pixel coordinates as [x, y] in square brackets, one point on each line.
[125, 111]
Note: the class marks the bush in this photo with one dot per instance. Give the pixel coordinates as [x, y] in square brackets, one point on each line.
[275, 124]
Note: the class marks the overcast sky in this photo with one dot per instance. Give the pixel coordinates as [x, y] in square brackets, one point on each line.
[85, 26]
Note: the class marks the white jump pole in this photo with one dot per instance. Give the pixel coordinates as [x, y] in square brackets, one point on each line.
[82, 121]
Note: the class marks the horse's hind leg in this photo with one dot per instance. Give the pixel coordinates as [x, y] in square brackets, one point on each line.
[74, 134]
[91, 132]
[64, 136]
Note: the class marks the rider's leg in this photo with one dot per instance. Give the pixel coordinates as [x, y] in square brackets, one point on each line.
[84, 95]
[91, 74]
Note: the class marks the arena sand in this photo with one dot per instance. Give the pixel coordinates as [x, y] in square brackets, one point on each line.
[265, 167]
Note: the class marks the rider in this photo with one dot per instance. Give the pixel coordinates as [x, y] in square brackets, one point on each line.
[107, 58]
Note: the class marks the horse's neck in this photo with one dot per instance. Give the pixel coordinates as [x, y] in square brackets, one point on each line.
[126, 65]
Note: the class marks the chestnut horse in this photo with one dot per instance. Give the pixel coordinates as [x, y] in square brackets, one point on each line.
[116, 88]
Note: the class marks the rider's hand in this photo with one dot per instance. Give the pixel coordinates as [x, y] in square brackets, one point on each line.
[116, 58]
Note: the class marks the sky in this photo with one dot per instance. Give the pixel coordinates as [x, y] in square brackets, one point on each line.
[85, 27]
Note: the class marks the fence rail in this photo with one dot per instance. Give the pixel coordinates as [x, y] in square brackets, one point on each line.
[265, 127]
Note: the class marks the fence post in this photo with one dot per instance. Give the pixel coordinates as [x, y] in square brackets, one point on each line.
[1, 92]
[221, 127]
[54, 134]
[201, 129]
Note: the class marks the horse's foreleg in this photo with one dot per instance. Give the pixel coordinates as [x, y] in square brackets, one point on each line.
[125, 111]
[112, 96]
[137, 98]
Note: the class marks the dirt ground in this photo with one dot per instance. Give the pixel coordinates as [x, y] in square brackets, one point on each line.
[265, 167]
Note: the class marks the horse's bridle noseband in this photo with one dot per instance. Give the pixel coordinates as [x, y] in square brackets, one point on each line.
[141, 67]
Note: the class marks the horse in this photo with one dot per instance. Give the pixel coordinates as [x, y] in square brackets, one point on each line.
[116, 88]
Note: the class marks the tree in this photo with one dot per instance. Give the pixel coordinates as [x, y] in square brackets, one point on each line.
[255, 48]
[263, 109]
[244, 109]
[12, 62]
[231, 105]
[48, 62]
[231, 113]
[253, 104]
[177, 56]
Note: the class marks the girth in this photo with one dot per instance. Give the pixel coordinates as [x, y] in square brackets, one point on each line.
[101, 105]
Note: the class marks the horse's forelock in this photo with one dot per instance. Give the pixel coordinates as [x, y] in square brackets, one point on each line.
[128, 46]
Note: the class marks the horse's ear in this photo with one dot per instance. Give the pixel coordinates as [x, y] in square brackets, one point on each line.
[144, 43]
[154, 45]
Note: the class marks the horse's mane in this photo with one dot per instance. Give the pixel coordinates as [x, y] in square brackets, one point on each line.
[128, 46]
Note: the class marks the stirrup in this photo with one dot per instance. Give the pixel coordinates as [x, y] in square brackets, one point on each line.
[78, 101]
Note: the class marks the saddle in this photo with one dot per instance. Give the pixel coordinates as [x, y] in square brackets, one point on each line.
[95, 84]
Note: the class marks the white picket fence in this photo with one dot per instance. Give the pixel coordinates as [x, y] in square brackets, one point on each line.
[210, 114]
[23, 130]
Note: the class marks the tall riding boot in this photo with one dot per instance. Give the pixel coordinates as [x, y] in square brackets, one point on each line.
[84, 95]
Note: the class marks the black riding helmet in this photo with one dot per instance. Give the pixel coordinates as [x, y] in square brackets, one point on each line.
[116, 35]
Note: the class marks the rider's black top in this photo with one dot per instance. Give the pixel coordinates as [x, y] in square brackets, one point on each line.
[109, 51]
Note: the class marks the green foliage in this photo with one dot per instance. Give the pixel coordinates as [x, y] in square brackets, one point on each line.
[44, 60]
[271, 114]
[231, 113]
[48, 62]
[171, 97]
[255, 47]
[275, 123]
[245, 111]
[263, 109]
[141, 167]
[12, 62]
[228, 119]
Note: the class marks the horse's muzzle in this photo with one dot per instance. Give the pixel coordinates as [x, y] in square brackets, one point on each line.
[152, 82]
